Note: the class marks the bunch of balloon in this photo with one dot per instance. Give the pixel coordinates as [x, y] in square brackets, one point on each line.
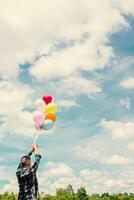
[44, 116]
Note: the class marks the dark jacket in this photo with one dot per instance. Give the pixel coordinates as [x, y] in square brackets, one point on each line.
[27, 180]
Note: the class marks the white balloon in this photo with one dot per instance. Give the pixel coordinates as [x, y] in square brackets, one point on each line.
[40, 105]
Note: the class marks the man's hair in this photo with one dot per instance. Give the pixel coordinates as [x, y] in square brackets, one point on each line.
[24, 159]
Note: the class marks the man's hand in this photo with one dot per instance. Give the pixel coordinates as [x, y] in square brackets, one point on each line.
[35, 148]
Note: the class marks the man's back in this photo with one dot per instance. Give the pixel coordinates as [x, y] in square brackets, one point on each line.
[27, 180]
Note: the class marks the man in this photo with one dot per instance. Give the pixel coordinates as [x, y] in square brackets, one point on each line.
[26, 175]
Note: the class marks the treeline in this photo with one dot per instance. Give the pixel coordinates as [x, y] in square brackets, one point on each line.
[69, 194]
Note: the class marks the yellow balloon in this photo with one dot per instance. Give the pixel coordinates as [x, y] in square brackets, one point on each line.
[51, 108]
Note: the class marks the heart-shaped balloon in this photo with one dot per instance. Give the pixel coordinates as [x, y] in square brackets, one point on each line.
[47, 98]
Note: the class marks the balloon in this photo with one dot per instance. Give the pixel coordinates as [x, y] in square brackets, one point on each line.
[47, 125]
[38, 127]
[38, 117]
[47, 99]
[51, 117]
[39, 104]
[51, 108]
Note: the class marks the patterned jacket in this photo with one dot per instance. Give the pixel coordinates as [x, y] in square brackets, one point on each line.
[27, 180]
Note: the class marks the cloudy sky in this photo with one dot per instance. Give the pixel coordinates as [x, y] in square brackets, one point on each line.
[81, 52]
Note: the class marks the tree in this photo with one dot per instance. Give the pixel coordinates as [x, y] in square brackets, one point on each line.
[68, 194]
[105, 196]
[61, 194]
[94, 197]
[42, 196]
[5, 196]
[81, 194]
[49, 197]
[11, 196]
[70, 190]
[123, 196]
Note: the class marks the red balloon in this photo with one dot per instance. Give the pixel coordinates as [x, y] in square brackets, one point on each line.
[47, 99]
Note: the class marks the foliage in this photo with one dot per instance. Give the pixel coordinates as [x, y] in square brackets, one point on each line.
[69, 194]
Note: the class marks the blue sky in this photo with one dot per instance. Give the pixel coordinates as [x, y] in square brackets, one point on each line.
[83, 56]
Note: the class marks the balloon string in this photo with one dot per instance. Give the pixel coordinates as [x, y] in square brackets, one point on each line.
[35, 138]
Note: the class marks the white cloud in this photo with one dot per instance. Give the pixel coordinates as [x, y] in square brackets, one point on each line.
[20, 124]
[131, 147]
[119, 130]
[57, 175]
[94, 181]
[57, 170]
[15, 97]
[88, 152]
[106, 149]
[76, 85]
[128, 83]
[84, 28]
[85, 54]
[11, 186]
[6, 175]
[125, 6]
[82, 56]
[66, 103]
[126, 102]
[30, 28]
[88, 174]
[118, 160]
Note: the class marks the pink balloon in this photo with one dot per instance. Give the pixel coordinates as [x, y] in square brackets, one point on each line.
[47, 98]
[38, 127]
[38, 117]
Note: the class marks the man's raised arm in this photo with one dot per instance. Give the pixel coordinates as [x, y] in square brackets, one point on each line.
[37, 158]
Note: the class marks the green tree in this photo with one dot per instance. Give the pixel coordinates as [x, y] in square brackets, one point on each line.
[105, 196]
[42, 196]
[81, 194]
[5, 196]
[49, 197]
[123, 196]
[70, 192]
[12, 196]
[94, 197]
[61, 194]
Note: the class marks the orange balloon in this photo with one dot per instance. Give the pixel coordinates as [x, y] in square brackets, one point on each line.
[51, 117]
